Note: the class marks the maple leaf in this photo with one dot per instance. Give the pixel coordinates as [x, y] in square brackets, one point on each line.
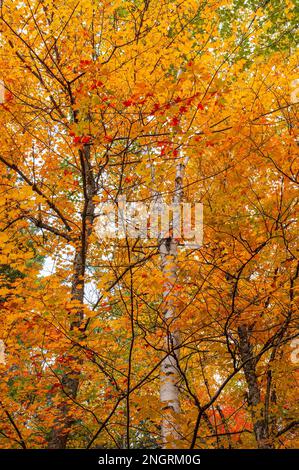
[128, 102]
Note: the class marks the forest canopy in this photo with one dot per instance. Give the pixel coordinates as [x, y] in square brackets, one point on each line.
[140, 341]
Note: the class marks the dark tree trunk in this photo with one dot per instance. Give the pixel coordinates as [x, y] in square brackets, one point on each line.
[70, 380]
[254, 395]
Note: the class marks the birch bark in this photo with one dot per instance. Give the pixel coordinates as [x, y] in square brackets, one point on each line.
[170, 375]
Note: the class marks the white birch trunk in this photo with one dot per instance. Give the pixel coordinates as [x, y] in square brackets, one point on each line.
[170, 375]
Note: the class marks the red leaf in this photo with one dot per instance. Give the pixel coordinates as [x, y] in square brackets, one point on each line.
[85, 63]
[174, 122]
[127, 103]
[155, 108]
[96, 84]
[77, 140]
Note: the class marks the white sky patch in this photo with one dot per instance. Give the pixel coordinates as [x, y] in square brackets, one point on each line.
[91, 292]
[48, 267]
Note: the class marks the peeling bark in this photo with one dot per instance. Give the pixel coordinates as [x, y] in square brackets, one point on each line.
[169, 390]
[170, 375]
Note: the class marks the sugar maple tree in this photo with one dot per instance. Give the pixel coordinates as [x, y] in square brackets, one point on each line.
[145, 343]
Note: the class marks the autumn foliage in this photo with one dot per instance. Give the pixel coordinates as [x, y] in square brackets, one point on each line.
[112, 98]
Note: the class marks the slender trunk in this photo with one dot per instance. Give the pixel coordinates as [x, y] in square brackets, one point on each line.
[169, 390]
[254, 394]
[170, 376]
[70, 379]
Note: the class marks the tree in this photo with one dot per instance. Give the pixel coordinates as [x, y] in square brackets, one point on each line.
[151, 101]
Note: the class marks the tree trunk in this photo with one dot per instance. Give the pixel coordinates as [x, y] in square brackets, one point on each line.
[169, 390]
[254, 395]
[70, 380]
[170, 375]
